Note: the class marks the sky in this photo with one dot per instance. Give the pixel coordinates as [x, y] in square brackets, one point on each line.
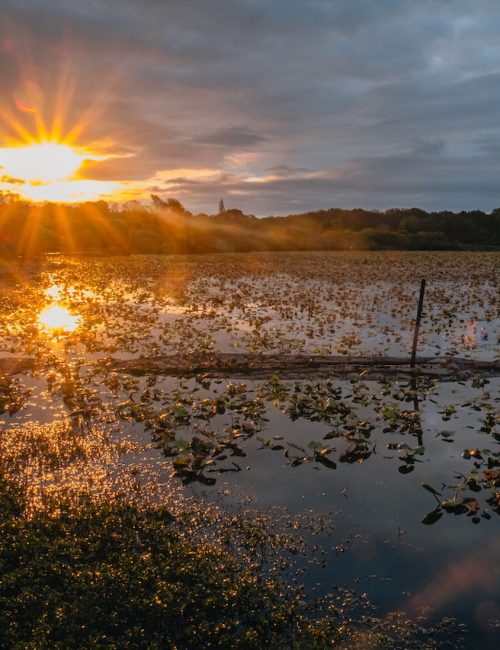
[277, 106]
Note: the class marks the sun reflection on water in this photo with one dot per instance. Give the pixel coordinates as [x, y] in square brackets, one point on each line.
[53, 292]
[56, 317]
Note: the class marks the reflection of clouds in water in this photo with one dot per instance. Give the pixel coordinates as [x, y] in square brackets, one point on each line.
[378, 501]
[487, 614]
[478, 570]
[321, 314]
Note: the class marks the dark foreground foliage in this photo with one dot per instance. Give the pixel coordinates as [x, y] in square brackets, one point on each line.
[120, 576]
[116, 577]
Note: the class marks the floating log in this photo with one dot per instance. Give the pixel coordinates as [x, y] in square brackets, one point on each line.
[299, 366]
[287, 366]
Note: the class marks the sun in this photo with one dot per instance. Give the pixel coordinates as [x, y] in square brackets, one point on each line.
[48, 170]
[43, 162]
[46, 157]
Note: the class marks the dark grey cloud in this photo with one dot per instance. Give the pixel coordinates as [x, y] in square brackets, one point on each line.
[293, 104]
[234, 137]
[284, 171]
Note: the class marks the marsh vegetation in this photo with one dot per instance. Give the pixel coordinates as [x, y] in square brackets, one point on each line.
[216, 506]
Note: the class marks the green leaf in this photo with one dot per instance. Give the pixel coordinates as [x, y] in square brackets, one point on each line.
[430, 489]
[432, 517]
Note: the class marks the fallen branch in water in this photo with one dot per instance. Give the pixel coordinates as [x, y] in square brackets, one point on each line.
[221, 364]
[299, 366]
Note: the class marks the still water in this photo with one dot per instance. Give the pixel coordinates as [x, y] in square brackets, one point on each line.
[340, 462]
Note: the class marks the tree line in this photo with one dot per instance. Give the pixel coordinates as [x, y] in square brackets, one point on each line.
[165, 226]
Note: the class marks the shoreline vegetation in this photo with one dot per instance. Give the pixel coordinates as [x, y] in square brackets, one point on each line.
[28, 230]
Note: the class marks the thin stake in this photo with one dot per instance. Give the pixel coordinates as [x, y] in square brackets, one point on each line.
[416, 407]
[417, 323]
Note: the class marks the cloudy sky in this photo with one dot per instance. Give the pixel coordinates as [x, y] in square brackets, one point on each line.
[278, 106]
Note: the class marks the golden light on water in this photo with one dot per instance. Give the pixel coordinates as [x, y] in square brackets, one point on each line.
[58, 318]
[53, 292]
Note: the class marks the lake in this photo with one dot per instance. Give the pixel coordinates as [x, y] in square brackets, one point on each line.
[380, 480]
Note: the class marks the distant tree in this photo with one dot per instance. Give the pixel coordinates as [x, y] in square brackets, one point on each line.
[235, 216]
[158, 203]
[167, 227]
[102, 206]
[173, 205]
[11, 197]
[132, 206]
[221, 206]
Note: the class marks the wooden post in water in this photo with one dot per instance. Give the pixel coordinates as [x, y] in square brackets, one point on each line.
[417, 323]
